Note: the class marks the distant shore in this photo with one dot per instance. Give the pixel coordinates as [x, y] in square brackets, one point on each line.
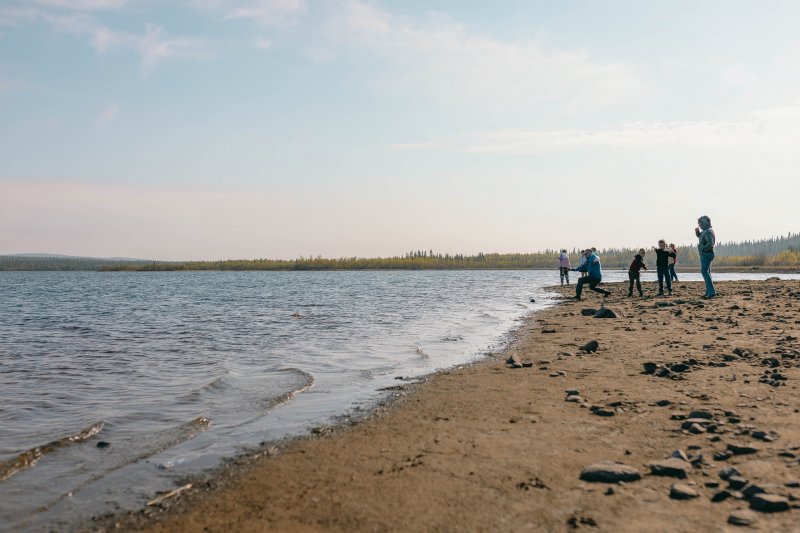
[489, 447]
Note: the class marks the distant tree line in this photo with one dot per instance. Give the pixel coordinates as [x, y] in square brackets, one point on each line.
[775, 252]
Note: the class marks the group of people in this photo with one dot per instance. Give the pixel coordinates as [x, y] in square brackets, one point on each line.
[666, 259]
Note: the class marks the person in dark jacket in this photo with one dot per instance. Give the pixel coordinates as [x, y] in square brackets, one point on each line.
[706, 241]
[633, 273]
[662, 266]
[593, 278]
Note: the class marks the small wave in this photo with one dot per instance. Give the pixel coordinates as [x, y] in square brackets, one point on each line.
[29, 458]
[307, 383]
[422, 353]
[453, 338]
[217, 384]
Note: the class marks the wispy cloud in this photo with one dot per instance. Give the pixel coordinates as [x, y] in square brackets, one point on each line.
[447, 60]
[267, 12]
[263, 43]
[154, 45]
[773, 127]
[83, 5]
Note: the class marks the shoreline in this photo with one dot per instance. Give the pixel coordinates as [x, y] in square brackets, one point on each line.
[482, 446]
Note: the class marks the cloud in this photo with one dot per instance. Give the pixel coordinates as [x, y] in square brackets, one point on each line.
[772, 127]
[265, 12]
[83, 5]
[155, 46]
[448, 61]
[263, 43]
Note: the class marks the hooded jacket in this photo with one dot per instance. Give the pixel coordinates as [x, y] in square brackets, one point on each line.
[706, 237]
[591, 266]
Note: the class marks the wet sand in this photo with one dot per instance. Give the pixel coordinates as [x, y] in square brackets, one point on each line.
[488, 447]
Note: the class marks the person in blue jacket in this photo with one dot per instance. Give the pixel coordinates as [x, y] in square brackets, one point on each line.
[595, 276]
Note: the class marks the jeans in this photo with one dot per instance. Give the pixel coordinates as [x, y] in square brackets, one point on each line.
[634, 276]
[672, 275]
[705, 270]
[564, 274]
[663, 272]
[592, 282]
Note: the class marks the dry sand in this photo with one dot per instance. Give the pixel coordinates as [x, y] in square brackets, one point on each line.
[492, 448]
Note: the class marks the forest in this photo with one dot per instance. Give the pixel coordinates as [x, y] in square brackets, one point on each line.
[778, 253]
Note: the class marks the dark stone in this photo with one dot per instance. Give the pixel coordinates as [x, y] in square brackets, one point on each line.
[681, 491]
[602, 411]
[608, 472]
[103, 444]
[737, 482]
[664, 373]
[728, 472]
[742, 517]
[679, 367]
[662, 403]
[605, 313]
[701, 414]
[722, 456]
[588, 312]
[671, 467]
[548, 331]
[735, 449]
[650, 368]
[720, 496]
[527, 365]
[769, 503]
[752, 490]
[590, 347]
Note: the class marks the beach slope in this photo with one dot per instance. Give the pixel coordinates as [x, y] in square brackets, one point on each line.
[679, 389]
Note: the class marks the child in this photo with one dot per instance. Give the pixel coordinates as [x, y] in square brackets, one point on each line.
[672, 262]
[662, 266]
[564, 266]
[633, 273]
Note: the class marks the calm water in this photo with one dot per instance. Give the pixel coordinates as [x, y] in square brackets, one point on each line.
[175, 371]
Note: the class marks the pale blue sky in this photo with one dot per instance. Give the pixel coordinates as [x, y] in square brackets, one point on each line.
[182, 129]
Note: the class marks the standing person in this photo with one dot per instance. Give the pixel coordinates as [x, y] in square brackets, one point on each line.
[672, 262]
[662, 266]
[633, 272]
[706, 241]
[564, 266]
[594, 276]
[581, 262]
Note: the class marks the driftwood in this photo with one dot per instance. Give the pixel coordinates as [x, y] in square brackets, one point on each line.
[167, 495]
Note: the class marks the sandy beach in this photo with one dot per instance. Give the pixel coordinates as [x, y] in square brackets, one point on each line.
[697, 398]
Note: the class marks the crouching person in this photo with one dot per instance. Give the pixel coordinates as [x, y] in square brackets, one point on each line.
[593, 278]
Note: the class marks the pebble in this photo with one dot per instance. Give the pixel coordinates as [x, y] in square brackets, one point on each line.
[720, 495]
[742, 517]
[769, 503]
[728, 472]
[670, 467]
[737, 482]
[590, 347]
[736, 449]
[609, 472]
[682, 491]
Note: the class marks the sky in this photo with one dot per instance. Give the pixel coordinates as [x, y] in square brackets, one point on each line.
[217, 129]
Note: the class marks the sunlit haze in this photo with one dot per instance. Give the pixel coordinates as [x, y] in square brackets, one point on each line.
[212, 129]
